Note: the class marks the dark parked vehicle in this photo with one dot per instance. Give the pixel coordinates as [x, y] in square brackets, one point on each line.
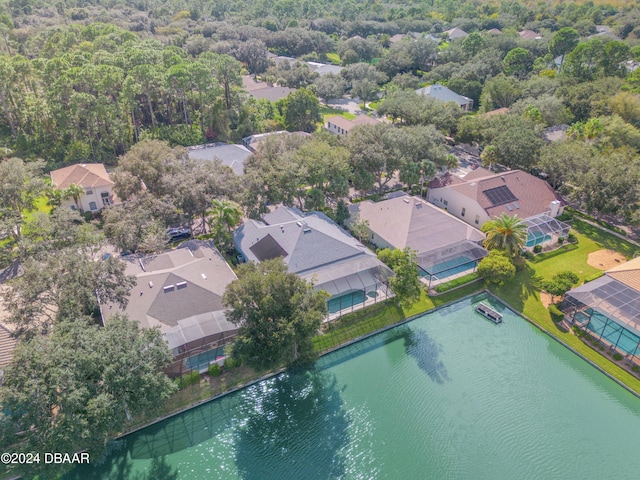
[178, 233]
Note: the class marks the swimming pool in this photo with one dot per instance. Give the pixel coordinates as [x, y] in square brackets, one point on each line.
[335, 304]
[613, 333]
[449, 268]
[448, 395]
[538, 238]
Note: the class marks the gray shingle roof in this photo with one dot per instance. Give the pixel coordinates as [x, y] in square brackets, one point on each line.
[192, 306]
[315, 246]
[232, 156]
[441, 92]
[267, 249]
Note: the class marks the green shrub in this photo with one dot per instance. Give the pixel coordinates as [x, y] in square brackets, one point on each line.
[617, 357]
[537, 249]
[571, 238]
[556, 313]
[190, 378]
[635, 368]
[528, 255]
[560, 240]
[443, 287]
[230, 363]
[214, 370]
[564, 217]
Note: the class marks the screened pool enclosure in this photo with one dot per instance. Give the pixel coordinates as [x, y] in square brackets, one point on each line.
[543, 229]
[609, 310]
[446, 263]
[353, 285]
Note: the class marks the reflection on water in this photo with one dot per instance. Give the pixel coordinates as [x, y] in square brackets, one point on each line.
[426, 351]
[290, 426]
[293, 426]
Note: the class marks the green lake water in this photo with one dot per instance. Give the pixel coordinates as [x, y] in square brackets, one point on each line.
[447, 396]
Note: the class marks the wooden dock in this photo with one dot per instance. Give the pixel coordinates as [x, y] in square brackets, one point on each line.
[488, 312]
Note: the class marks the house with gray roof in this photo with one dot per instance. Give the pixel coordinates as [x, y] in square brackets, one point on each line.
[446, 246]
[181, 291]
[442, 93]
[233, 156]
[319, 251]
[252, 142]
[324, 68]
[261, 90]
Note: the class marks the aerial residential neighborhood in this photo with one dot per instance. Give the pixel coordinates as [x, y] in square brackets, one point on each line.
[291, 240]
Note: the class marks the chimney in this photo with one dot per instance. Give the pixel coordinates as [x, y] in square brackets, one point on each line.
[554, 208]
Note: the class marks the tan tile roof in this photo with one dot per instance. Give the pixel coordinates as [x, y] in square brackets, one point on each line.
[347, 124]
[627, 273]
[533, 194]
[529, 35]
[341, 122]
[444, 181]
[364, 120]
[85, 175]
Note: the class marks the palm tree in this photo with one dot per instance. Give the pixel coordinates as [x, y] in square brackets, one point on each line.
[226, 213]
[74, 191]
[54, 197]
[428, 172]
[508, 233]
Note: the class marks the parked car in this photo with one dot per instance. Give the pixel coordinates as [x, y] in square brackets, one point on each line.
[178, 233]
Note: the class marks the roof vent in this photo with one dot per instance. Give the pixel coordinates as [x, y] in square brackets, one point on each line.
[502, 177]
[203, 276]
[150, 284]
[306, 230]
[473, 184]
[180, 285]
[168, 288]
[405, 200]
[299, 224]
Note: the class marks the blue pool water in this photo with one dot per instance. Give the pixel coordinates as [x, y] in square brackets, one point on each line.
[613, 333]
[533, 240]
[203, 360]
[335, 304]
[450, 267]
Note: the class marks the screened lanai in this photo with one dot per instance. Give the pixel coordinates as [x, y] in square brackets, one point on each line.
[610, 310]
[352, 284]
[445, 263]
[544, 229]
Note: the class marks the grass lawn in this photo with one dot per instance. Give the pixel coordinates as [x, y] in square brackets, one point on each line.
[378, 316]
[522, 293]
[327, 112]
[41, 206]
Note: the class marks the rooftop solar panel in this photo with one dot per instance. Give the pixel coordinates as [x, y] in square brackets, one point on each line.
[500, 195]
